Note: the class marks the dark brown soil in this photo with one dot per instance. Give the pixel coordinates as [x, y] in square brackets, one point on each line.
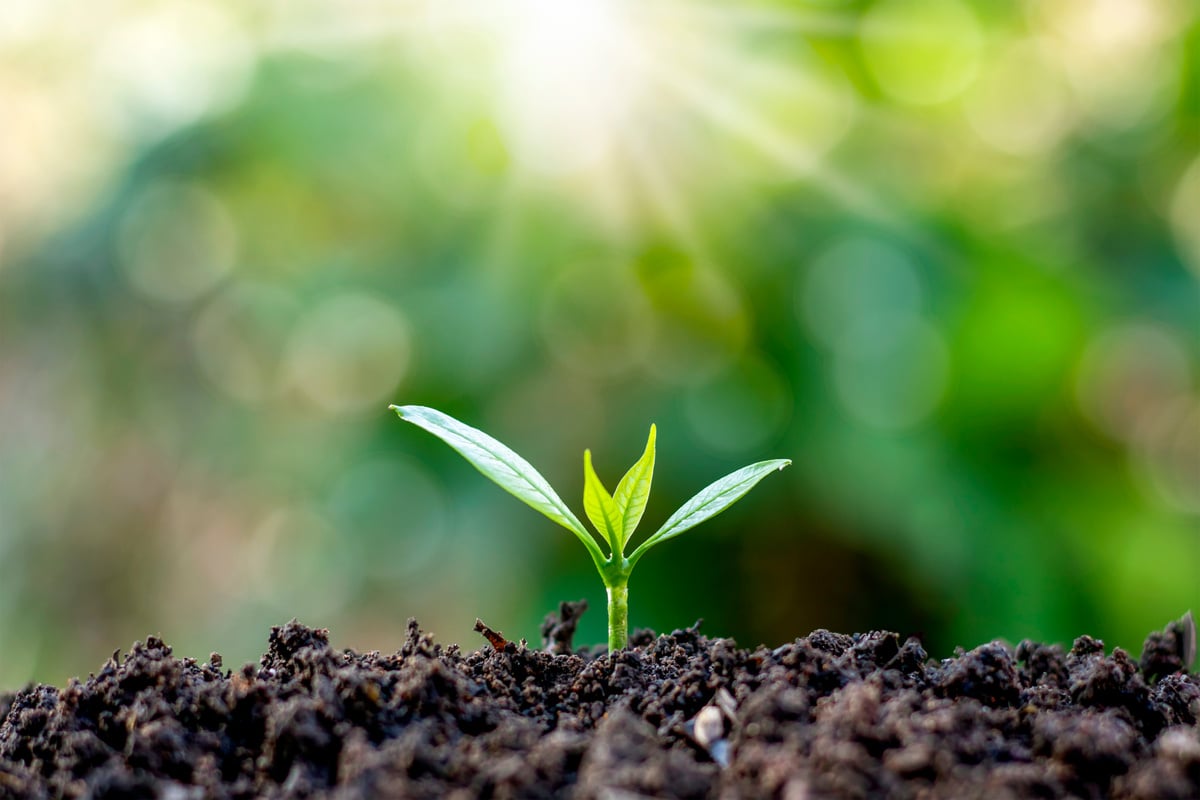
[682, 715]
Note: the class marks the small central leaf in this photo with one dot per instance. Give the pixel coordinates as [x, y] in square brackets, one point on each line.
[599, 505]
[634, 489]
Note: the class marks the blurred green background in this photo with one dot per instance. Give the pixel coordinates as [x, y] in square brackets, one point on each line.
[943, 254]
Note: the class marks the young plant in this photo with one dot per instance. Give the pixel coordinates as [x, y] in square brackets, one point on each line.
[615, 516]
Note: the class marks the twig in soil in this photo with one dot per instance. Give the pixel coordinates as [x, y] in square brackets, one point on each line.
[497, 641]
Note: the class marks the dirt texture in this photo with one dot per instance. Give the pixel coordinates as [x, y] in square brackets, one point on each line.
[680, 715]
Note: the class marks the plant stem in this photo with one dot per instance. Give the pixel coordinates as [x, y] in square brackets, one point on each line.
[618, 617]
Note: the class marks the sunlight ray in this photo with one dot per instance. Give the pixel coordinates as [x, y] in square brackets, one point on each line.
[726, 111]
[577, 114]
[663, 195]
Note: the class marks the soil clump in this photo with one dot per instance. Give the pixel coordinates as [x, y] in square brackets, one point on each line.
[680, 715]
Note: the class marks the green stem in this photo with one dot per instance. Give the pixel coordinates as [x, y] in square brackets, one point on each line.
[618, 617]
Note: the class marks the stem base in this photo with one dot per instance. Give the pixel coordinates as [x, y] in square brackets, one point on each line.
[618, 617]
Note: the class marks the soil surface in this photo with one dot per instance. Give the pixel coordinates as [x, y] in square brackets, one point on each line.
[680, 715]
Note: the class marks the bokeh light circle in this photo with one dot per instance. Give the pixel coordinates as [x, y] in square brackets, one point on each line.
[349, 353]
[741, 408]
[858, 294]
[1129, 376]
[1120, 57]
[921, 52]
[1169, 452]
[238, 339]
[1185, 215]
[176, 241]
[898, 384]
[1021, 104]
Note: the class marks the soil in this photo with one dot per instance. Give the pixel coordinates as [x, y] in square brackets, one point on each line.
[680, 715]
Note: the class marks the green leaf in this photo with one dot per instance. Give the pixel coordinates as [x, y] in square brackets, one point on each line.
[511, 472]
[599, 505]
[712, 500]
[634, 489]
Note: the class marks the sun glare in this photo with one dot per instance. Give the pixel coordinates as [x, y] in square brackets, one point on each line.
[616, 105]
[618, 101]
[568, 81]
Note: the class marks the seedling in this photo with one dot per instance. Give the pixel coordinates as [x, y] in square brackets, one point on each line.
[615, 516]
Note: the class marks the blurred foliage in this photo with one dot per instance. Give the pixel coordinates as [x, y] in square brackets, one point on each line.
[943, 254]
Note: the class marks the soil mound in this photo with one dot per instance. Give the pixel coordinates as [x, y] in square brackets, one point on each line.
[679, 715]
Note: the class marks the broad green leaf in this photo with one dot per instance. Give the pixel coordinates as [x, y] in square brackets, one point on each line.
[511, 472]
[634, 489]
[712, 500]
[599, 504]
